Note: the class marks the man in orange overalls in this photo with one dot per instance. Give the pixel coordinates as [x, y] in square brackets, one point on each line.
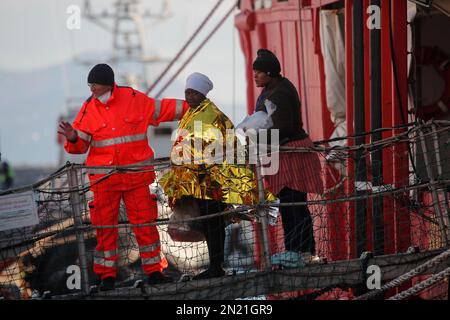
[113, 124]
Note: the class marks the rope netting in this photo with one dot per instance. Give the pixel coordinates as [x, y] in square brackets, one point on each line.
[399, 228]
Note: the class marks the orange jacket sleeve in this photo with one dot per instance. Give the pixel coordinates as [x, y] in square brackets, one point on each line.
[166, 110]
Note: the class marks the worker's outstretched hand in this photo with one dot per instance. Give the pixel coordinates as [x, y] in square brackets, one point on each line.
[68, 131]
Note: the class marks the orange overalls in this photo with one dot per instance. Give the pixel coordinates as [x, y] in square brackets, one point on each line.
[116, 135]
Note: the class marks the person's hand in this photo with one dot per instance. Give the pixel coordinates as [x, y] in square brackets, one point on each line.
[68, 131]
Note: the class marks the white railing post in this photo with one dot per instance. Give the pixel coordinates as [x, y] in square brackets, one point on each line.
[75, 202]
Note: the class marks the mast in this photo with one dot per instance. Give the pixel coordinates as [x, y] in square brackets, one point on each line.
[126, 24]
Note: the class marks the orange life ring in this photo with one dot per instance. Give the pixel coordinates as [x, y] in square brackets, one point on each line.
[437, 58]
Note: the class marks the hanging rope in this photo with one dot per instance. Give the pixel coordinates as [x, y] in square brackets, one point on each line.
[415, 272]
[422, 285]
[178, 55]
[221, 22]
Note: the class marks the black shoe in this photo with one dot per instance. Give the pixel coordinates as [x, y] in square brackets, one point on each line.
[210, 273]
[158, 278]
[107, 284]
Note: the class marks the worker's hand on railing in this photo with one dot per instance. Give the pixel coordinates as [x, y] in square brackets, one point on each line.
[68, 131]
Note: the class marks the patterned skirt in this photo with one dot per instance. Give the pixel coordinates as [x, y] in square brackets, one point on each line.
[299, 171]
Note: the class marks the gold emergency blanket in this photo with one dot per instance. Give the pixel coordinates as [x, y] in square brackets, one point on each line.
[201, 128]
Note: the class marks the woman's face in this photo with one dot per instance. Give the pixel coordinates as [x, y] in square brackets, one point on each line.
[261, 78]
[193, 97]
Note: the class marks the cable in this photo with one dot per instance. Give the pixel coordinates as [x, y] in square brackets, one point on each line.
[196, 32]
[196, 50]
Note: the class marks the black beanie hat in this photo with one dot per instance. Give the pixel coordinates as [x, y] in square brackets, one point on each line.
[101, 74]
[267, 62]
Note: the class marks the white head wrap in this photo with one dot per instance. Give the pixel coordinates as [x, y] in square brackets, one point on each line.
[199, 82]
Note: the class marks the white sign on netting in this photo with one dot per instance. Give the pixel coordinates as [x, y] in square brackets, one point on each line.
[18, 211]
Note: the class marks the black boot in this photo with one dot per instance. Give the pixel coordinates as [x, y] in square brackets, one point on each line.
[297, 223]
[210, 273]
[107, 284]
[158, 278]
[214, 230]
[215, 244]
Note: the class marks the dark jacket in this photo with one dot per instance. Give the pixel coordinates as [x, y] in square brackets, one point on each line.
[287, 117]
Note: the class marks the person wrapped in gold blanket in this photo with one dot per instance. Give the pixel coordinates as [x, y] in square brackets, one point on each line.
[202, 168]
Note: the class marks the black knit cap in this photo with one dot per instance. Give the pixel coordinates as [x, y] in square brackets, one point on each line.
[267, 62]
[101, 74]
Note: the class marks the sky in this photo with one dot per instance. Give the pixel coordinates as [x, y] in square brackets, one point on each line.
[43, 63]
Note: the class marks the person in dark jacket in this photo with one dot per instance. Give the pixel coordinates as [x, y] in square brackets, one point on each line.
[299, 173]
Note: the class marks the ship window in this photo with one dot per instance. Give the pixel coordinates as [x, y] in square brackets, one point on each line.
[262, 4]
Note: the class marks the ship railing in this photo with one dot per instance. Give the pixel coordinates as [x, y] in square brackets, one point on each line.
[256, 260]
